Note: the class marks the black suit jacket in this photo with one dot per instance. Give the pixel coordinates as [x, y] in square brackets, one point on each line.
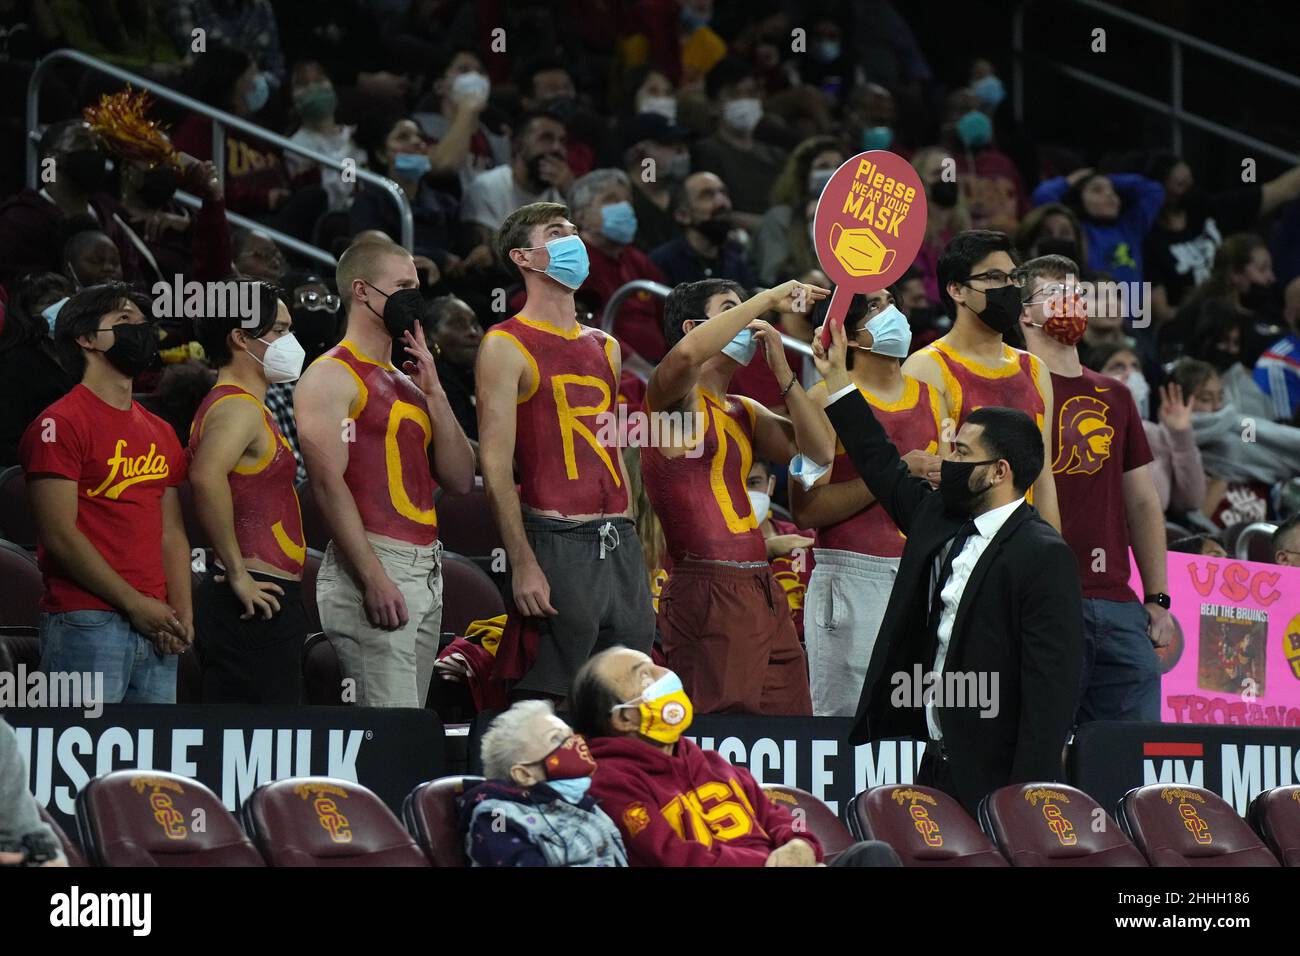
[1020, 618]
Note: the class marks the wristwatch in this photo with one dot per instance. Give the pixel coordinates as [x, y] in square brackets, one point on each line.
[1158, 598]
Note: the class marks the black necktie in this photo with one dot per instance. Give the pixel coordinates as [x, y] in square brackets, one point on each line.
[945, 572]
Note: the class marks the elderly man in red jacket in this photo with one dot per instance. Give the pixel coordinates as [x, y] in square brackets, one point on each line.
[675, 804]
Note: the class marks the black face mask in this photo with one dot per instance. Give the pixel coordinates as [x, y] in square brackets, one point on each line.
[1222, 360]
[1001, 309]
[954, 486]
[1260, 298]
[86, 169]
[561, 107]
[157, 186]
[715, 230]
[134, 348]
[944, 194]
[402, 311]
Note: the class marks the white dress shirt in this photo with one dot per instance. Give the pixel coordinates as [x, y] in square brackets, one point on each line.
[986, 526]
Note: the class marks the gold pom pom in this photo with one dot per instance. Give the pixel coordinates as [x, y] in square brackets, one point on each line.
[122, 123]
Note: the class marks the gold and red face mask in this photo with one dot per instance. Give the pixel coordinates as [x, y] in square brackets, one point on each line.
[1067, 317]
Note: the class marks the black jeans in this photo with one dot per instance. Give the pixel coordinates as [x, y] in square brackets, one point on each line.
[254, 661]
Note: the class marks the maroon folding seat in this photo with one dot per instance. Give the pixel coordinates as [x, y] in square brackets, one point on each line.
[1189, 826]
[812, 814]
[70, 849]
[322, 674]
[432, 817]
[20, 587]
[310, 568]
[314, 530]
[465, 523]
[17, 521]
[150, 818]
[1275, 815]
[1050, 824]
[323, 821]
[926, 827]
[468, 594]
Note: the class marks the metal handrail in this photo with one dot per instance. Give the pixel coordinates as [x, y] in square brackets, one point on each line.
[661, 290]
[1254, 529]
[1178, 40]
[220, 121]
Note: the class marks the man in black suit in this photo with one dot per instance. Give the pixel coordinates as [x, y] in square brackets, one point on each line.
[981, 648]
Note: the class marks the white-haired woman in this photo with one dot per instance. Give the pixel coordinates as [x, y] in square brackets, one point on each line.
[533, 808]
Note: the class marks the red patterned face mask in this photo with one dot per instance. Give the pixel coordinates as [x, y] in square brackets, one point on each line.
[569, 760]
[1067, 318]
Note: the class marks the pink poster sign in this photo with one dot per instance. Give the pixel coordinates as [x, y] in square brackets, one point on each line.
[1235, 657]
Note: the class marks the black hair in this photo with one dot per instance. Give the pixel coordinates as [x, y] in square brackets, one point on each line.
[214, 75]
[591, 700]
[1216, 319]
[1192, 544]
[441, 63]
[1284, 530]
[1097, 356]
[436, 309]
[1011, 434]
[49, 142]
[855, 319]
[543, 64]
[960, 255]
[23, 321]
[728, 71]
[213, 331]
[1159, 165]
[689, 300]
[527, 120]
[82, 314]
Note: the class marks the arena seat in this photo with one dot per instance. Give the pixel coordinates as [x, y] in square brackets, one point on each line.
[323, 821]
[430, 814]
[314, 530]
[70, 849]
[813, 815]
[20, 586]
[17, 523]
[926, 827]
[1189, 826]
[1275, 816]
[468, 594]
[1050, 824]
[19, 645]
[465, 523]
[322, 675]
[310, 568]
[147, 818]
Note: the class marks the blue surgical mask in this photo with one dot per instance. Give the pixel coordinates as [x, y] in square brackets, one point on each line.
[742, 347]
[568, 263]
[989, 91]
[817, 180]
[975, 129]
[256, 97]
[51, 312]
[692, 20]
[618, 222]
[828, 51]
[411, 165]
[890, 333]
[573, 789]
[877, 137]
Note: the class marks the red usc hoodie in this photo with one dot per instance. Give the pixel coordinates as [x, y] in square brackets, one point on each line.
[692, 808]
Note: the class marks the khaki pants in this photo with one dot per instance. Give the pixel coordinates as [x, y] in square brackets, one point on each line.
[390, 668]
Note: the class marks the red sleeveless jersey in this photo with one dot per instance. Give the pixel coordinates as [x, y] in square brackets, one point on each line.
[268, 520]
[702, 502]
[913, 422]
[388, 469]
[968, 385]
[566, 435]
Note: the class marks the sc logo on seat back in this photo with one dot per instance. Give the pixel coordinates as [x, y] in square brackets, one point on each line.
[328, 815]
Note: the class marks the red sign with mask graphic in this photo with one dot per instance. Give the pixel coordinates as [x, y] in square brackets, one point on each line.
[869, 225]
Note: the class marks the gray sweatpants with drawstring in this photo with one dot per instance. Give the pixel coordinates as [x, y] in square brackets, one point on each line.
[601, 589]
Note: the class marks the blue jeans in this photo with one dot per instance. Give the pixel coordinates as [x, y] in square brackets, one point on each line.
[104, 642]
[1121, 673]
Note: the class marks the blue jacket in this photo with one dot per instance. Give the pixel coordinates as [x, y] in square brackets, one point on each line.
[505, 825]
[1115, 247]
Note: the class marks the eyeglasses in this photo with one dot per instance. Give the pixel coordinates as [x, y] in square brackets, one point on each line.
[1058, 291]
[997, 277]
[314, 301]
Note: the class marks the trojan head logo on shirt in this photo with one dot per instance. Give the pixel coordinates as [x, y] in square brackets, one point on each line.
[125, 470]
[1083, 436]
[165, 813]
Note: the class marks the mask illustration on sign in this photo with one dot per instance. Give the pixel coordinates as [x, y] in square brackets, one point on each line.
[860, 251]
